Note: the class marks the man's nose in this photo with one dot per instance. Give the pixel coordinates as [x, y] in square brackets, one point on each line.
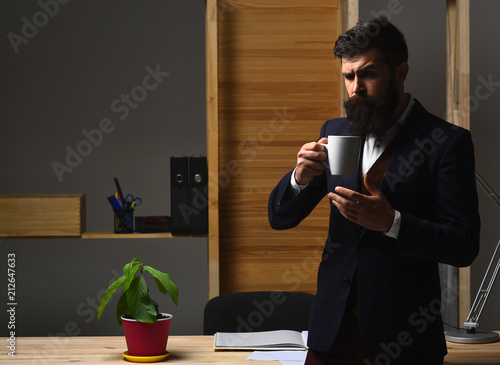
[358, 86]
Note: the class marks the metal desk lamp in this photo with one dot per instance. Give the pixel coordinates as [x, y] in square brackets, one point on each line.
[470, 334]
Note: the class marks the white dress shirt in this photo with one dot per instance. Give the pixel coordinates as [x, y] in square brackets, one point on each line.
[372, 150]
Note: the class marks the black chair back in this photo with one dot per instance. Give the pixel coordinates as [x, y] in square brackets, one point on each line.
[257, 311]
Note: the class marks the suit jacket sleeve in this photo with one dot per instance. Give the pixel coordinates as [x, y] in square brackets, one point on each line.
[286, 210]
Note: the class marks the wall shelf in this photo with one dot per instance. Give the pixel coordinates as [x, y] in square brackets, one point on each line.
[112, 235]
[106, 235]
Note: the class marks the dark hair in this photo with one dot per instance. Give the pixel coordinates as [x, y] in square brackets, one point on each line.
[376, 33]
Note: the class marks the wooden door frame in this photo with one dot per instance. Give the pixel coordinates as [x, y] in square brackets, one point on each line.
[212, 97]
[457, 105]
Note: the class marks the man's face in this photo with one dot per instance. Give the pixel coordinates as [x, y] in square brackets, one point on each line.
[374, 94]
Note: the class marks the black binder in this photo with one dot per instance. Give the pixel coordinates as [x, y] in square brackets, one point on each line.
[198, 195]
[179, 194]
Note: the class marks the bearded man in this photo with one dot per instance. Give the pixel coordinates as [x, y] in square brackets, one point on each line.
[411, 205]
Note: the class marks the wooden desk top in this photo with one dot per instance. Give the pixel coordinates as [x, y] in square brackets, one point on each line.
[108, 350]
[183, 349]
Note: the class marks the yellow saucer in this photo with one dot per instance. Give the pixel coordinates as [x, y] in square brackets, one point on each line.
[146, 358]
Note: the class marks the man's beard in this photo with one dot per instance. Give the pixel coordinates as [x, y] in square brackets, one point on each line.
[369, 116]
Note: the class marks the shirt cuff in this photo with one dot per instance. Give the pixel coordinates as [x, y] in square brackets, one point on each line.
[296, 188]
[396, 225]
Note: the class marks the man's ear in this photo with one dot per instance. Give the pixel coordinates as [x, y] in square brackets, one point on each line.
[401, 73]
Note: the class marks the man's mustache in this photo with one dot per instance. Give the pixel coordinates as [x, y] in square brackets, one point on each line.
[360, 100]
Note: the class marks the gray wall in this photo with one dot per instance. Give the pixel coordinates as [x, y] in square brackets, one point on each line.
[66, 76]
[485, 127]
[424, 25]
[84, 56]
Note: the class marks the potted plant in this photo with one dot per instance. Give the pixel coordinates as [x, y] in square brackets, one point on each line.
[146, 328]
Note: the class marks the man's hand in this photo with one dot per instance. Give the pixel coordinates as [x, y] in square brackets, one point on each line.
[309, 161]
[373, 212]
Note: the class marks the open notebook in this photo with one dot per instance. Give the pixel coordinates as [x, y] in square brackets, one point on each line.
[265, 340]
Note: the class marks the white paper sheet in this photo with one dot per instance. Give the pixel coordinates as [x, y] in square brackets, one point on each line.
[297, 357]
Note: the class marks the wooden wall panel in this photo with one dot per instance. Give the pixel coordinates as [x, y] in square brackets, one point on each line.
[278, 82]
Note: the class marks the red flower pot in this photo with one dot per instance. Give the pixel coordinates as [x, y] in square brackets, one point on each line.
[147, 339]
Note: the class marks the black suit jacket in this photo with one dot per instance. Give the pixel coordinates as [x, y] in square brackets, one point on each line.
[430, 179]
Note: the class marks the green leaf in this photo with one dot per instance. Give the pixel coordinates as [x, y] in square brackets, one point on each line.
[107, 295]
[139, 303]
[164, 283]
[129, 270]
[130, 265]
[122, 309]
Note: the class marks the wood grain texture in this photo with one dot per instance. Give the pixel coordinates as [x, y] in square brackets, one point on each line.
[184, 350]
[458, 105]
[278, 82]
[211, 51]
[108, 350]
[42, 215]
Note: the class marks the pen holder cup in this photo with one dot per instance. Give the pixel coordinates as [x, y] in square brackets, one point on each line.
[124, 221]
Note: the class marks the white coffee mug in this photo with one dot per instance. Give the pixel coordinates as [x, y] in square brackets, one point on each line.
[343, 154]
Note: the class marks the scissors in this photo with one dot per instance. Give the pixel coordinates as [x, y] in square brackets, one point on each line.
[133, 201]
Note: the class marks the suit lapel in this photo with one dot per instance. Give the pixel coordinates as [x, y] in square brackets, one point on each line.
[403, 159]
